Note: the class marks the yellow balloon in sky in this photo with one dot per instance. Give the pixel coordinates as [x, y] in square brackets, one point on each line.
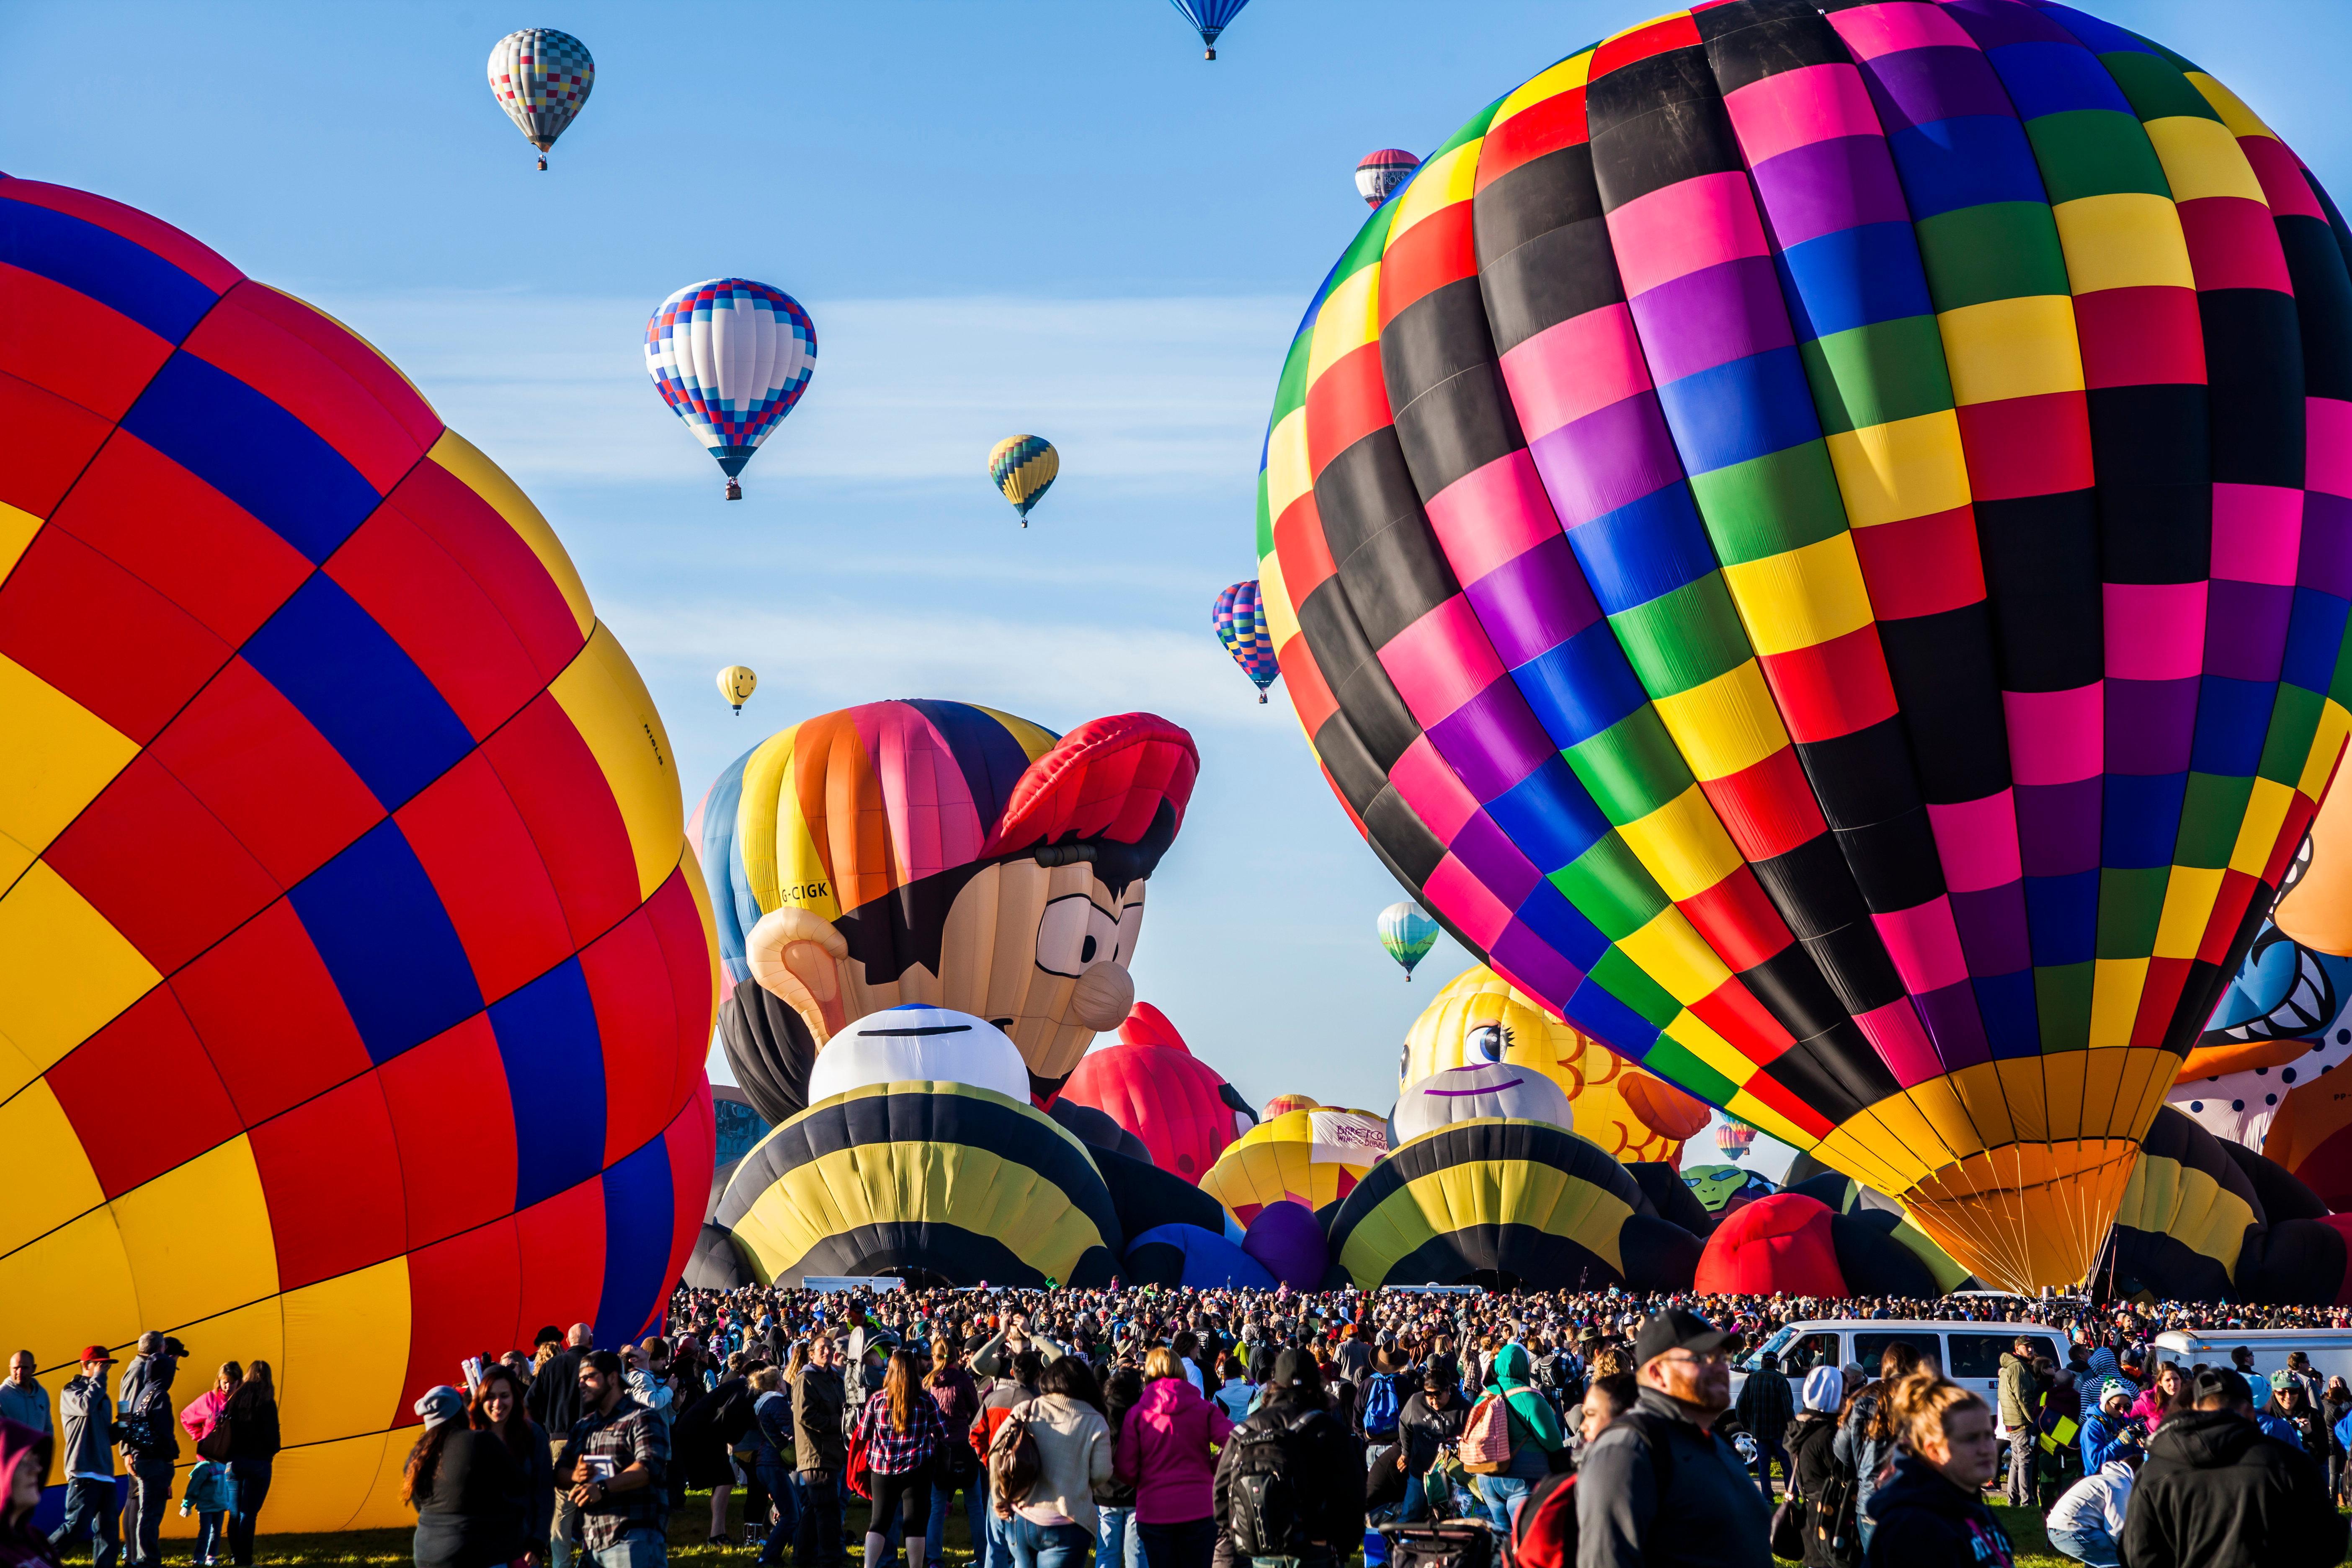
[1479, 1016]
[735, 683]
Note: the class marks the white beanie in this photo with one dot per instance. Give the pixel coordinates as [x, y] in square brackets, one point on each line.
[1825, 1390]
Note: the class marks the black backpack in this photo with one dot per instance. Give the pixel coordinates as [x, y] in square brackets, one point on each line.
[1265, 1516]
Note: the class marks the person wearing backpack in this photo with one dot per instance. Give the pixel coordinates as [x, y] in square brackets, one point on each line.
[1818, 1487]
[1167, 1452]
[1429, 1424]
[1661, 1488]
[1531, 1425]
[1290, 1479]
[1381, 1406]
[1049, 1514]
[999, 1402]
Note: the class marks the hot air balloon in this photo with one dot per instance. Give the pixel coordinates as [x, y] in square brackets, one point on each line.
[1284, 1104]
[1478, 1016]
[1714, 622]
[1310, 1157]
[1407, 934]
[1201, 1259]
[942, 852]
[732, 358]
[736, 684]
[1151, 1084]
[1507, 1205]
[1793, 1244]
[1380, 173]
[1240, 624]
[1733, 1137]
[1469, 1093]
[541, 77]
[343, 836]
[1022, 469]
[928, 1180]
[1209, 19]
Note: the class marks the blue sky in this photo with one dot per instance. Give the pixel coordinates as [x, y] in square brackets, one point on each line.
[1003, 217]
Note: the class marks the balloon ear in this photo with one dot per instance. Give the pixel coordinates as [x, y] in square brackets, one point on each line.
[791, 952]
[1102, 996]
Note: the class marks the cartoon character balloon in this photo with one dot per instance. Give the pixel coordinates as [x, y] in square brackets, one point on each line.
[1715, 625]
[1239, 620]
[542, 79]
[1379, 174]
[736, 684]
[942, 853]
[1478, 1016]
[1022, 469]
[1150, 1083]
[354, 972]
[732, 358]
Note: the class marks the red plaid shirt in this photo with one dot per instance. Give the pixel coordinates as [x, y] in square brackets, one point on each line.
[893, 1453]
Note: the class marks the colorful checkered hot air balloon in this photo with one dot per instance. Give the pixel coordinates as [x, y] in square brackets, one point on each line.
[542, 78]
[1239, 618]
[1022, 469]
[1851, 613]
[355, 978]
[732, 358]
[1380, 173]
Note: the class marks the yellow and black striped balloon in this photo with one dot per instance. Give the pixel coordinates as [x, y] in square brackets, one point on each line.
[1506, 1203]
[928, 1180]
[1022, 469]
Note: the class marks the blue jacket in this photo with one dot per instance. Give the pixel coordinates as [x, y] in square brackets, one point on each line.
[2280, 1428]
[2105, 1438]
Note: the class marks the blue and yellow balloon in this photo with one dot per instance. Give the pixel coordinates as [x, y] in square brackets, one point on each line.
[1022, 469]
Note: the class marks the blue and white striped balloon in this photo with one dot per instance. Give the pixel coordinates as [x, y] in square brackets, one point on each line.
[730, 357]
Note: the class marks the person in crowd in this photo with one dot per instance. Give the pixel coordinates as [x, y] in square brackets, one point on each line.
[253, 1442]
[2291, 1405]
[466, 1487]
[904, 1440]
[1121, 1542]
[1429, 1424]
[1931, 1512]
[2334, 1408]
[23, 1466]
[820, 1451]
[1660, 1487]
[2167, 1397]
[2019, 1410]
[1167, 1450]
[86, 1420]
[1812, 1463]
[499, 1408]
[700, 1439]
[1234, 1390]
[995, 1356]
[615, 1464]
[951, 1386]
[22, 1399]
[1028, 1364]
[1767, 1405]
[1866, 1440]
[151, 1444]
[2109, 1432]
[1324, 1464]
[1535, 1432]
[2217, 1492]
[554, 1401]
[2088, 1517]
[1056, 1523]
[771, 1435]
[209, 1493]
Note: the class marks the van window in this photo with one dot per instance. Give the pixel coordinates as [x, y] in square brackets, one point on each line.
[1868, 1348]
[1979, 1356]
[1814, 1350]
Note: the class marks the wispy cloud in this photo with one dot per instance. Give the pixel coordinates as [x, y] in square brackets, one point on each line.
[1136, 392]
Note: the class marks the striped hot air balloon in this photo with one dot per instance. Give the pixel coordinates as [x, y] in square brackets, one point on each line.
[1239, 618]
[1850, 612]
[1022, 469]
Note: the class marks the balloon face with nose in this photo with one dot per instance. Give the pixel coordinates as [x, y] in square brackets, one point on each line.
[1038, 944]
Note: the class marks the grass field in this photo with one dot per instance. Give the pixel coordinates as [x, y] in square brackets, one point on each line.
[688, 1527]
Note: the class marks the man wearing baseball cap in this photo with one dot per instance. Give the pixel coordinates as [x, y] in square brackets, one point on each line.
[1660, 1487]
[86, 1415]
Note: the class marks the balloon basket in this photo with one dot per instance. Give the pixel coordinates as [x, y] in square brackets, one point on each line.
[1209, 54]
[1261, 698]
[734, 490]
[543, 165]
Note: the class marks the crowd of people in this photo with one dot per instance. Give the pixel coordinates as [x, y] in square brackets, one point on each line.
[1176, 1428]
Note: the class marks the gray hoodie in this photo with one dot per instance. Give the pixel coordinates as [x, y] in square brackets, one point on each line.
[86, 1417]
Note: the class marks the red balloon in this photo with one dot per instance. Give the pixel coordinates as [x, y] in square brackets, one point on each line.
[1153, 1086]
[1779, 1243]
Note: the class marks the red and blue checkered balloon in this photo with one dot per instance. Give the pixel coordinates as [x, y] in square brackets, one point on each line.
[355, 979]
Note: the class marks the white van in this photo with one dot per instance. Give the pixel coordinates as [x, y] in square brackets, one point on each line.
[1968, 1353]
[2330, 1350]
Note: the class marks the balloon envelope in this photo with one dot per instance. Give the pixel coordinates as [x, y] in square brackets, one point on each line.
[732, 358]
[541, 77]
[1479, 1089]
[1380, 175]
[335, 821]
[1022, 469]
[912, 1041]
[1309, 1157]
[1209, 19]
[736, 684]
[1287, 1239]
[1239, 619]
[1407, 934]
[1152, 1085]
[1198, 1260]
[1708, 593]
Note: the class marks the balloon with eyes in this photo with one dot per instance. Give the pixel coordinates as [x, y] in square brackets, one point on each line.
[936, 853]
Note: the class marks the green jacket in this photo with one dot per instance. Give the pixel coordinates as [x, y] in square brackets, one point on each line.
[2016, 1391]
[1509, 1378]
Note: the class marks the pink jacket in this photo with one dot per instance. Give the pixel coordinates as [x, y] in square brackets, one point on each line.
[1163, 1452]
[201, 1412]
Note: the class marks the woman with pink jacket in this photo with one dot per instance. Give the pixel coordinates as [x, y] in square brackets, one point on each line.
[1167, 1452]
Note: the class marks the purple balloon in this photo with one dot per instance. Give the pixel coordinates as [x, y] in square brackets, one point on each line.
[1286, 1239]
